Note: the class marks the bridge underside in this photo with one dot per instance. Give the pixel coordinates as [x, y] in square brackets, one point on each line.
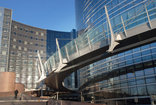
[54, 80]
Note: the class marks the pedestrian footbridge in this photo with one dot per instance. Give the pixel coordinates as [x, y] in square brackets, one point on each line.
[87, 49]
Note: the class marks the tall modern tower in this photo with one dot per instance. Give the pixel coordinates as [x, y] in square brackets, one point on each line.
[5, 29]
[127, 77]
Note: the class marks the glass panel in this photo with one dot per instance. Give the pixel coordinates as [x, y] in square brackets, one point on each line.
[139, 73]
[151, 89]
[142, 90]
[149, 71]
[140, 81]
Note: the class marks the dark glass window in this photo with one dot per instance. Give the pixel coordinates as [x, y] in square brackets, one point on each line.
[149, 71]
[142, 90]
[128, 57]
[153, 44]
[123, 83]
[131, 82]
[140, 81]
[133, 90]
[151, 89]
[154, 50]
[136, 49]
[150, 80]
[136, 54]
[130, 75]
[148, 57]
[145, 47]
[19, 41]
[31, 31]
[139, 73]
[129, 62]
[137, 60]
[146, 52]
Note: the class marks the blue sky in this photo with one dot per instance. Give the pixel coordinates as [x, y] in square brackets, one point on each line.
[48, 14]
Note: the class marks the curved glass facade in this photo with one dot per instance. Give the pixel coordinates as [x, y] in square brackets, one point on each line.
[124, 78]
[128, 74]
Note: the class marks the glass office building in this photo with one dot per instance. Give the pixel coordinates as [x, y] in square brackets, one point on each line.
[127, 77]
[5, 28]
[63, 39]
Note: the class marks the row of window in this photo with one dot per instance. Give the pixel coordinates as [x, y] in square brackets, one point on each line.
[30, 37]
[134, 56]
[29, 31]
[25, 49]
[143, 83]
[26, 43]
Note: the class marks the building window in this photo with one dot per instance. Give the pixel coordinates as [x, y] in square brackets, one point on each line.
[42, 34]
[36, 33]
[15, 27]
[19, 41]
[5, 30]
[25, 42]
[21, 29]
[26, 30]
[14, 40]
[4, 52]
[41, 51]
[14, 46]
[31, 31]
[2, 69]
[19, 48]
[12, 53]
[25, 49]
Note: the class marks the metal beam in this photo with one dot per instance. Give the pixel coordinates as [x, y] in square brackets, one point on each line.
[59, 51]
[37, 67]
[124, 27]
[113, 44]
[53, 60]
[149, 20]
[89, 42]
[67, 52]
[77, 50]
[43, 74]
[40, 62]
